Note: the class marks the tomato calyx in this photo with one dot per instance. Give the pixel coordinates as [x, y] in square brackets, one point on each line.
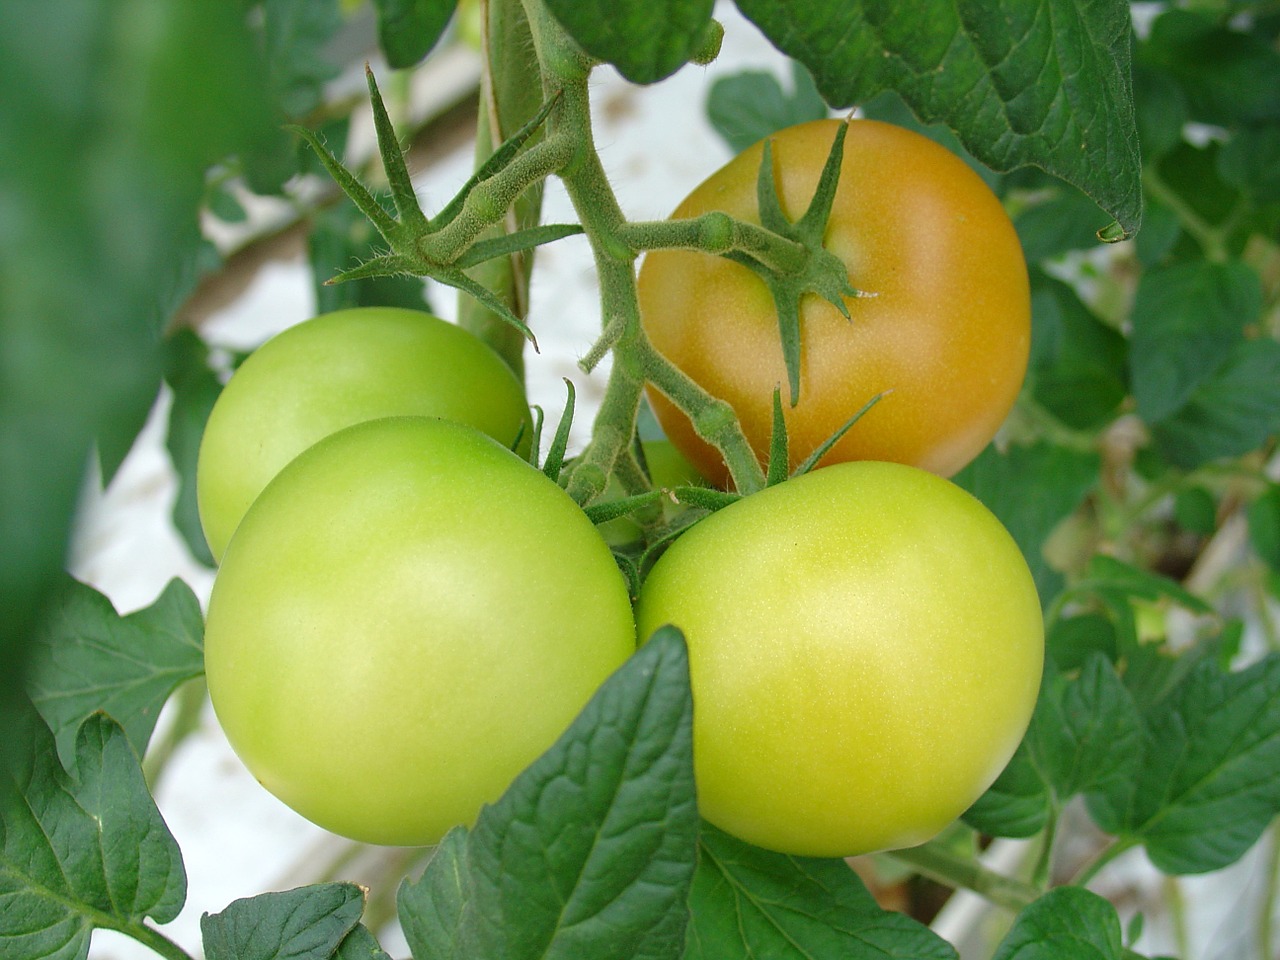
[444, 246]
[820, 272]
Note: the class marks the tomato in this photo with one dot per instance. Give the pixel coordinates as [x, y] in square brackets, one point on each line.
[865, 648]
[408, 615]
[946, 328]
[336, 370]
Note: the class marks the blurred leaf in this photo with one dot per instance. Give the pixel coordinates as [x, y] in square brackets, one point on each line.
[408, 29]
[1229, 415]
[89, 659]
[1196, 511]
[342, 237]
[1069, 923]
[1250, 162]
[590, 852]
[81, 848]
[749, 106]
[196, 388]
[1063, 219]
[1187, 320]
[1161, 229]
[1071, 641]
[1031, 490]
[646, 40]
[1161, 110]
[1041, 82]
[1210, 775]
[1264, 526]
[113, 113]
[295, 34]
[1078, 363]
[307, 923]
[1228, 76]
[748, 902]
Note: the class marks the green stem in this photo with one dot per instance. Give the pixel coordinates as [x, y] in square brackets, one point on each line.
[717, 233]
[1040, 873]
[190, 700]
[150, 938]
[1109, 853]
[941, 864]
[1270, 897]
[565, 71]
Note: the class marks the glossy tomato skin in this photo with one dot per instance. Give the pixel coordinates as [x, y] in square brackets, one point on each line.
[407, 617]
[946, 328]
[865, 647]
[336, 370]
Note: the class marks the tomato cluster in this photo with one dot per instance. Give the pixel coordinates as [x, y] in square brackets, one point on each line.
[407, 612]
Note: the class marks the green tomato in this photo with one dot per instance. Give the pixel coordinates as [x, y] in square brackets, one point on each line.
[336, 370]
[407, 617]
[865, 646]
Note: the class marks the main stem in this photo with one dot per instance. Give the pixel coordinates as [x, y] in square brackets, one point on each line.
[565, 70]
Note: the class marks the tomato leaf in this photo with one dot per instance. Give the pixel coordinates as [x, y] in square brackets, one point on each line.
[1078, 363]
[1264, 526]
[314, 921]
[1209, 777]
[1020, 82]
[748, 106]
[408, 29]
[1229, 415]
[1187, 319]
[294, 36]
[751, 902]
[80, 847]
[589, 854]
[88, 659]
[646, 40]
[1069, 923]
[1084, 735]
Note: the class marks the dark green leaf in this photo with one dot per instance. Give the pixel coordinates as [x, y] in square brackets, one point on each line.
[1017, 804]
[294, 36]
[196, 388]
[89, 659]
[1230, 415]
[307, 923]
[360, 944]
[1187, 319]
[1162, 111]
[1069, 923]
[751, 105]
[1196, 511]
[1264, 526]
[1031, 490]
[80, 848]
[1071, 641]
[1228, 76]
[1042, 82]
[1060, 220]
[1078, 363]
[408, 29]
[101, 199]
[1250, 162]
[1210, 778]
[1161, 229]
[748, 902]
[646, 40]
[590, 853]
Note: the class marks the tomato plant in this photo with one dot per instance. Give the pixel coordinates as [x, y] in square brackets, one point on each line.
[943, 328]
[865, 648]
[335, 370]
[408, 616]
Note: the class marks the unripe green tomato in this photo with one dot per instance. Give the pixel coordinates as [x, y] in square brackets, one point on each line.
[336, 370]
[407, 617]
[865, 647]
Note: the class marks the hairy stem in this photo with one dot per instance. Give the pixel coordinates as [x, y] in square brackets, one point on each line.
[938, 863]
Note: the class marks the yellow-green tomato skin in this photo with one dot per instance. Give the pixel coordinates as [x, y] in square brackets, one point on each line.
[407, 617]
[336, 370]
[865, 647]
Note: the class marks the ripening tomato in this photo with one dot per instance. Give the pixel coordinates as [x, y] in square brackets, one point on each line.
[945, 329]
[865, 649]
[336, 370]
[408, 615]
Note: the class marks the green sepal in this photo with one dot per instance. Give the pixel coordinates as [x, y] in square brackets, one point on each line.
[510, 243]
[705, 497]
[779, 452]
[386, 265]
[402, 192]
[554, 461]
[351, 186]
[454, 277]
[812, 460]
